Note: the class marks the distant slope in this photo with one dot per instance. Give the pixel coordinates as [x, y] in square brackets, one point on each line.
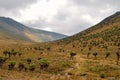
[13, 30]
[102, 34]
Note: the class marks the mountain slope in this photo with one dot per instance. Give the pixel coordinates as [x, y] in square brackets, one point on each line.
[106, 30]
[13, 30]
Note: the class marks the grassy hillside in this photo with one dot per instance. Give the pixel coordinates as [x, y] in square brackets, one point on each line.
[105, 32]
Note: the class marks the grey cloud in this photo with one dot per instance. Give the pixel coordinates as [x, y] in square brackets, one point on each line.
[40, 23]
[61, 16]
[94, 6]
[97, 3]
[15, 4]
[11, 8]
[69, 27]
[64, 18]
[71, 18]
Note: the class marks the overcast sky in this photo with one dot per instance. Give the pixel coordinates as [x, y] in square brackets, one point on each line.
[63, 16]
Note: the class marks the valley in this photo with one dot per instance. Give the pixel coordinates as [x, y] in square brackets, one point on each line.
[93, 54]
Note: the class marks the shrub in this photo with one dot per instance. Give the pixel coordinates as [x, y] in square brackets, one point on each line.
[107, 54]
[102, 75]
[9, 54]
[11, 65]
[95, 55]
[5, 52]
[118, 57]
[43, 64]
[66, 64]
[2, 60]
[29, 60]
[48, 48]
[72, 54]
[32, 67]
[19, 53]
[20, 66]
[88, 54]
[14, 53]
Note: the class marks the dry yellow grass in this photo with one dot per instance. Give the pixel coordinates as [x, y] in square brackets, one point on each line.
[61, 67]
